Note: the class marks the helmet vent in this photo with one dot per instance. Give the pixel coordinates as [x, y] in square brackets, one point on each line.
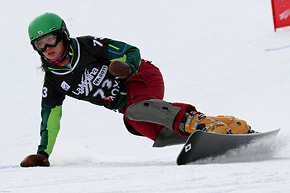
[52, 28]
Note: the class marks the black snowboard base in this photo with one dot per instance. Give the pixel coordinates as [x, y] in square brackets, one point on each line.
[200, 144]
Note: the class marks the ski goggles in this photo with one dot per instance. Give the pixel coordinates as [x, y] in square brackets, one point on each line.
[49, 40]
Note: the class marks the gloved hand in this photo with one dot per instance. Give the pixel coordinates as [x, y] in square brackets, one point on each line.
[35, 160]
[120, 69]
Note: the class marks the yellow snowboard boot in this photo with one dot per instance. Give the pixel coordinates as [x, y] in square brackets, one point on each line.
[220, 124]
[235, 125]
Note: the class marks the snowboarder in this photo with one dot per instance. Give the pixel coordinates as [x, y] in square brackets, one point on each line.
[112, 74]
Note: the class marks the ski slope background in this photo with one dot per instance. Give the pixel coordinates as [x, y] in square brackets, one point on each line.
[221, 56]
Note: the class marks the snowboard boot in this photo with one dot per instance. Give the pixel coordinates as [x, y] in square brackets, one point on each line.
[193, 121]
[236, 126]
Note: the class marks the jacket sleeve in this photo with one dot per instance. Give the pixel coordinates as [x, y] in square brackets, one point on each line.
[51, 112]
[127, 53]
[49, 128]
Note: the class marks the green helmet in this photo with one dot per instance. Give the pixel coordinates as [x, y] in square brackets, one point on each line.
[45, 24]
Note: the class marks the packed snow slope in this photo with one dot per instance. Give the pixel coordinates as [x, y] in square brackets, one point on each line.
[221, 56]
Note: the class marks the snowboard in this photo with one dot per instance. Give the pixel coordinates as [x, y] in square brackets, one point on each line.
[200, 144]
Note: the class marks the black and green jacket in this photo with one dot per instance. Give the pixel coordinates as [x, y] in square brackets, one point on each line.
[86, 77]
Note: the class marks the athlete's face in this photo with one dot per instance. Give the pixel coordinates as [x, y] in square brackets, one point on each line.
[53, 52]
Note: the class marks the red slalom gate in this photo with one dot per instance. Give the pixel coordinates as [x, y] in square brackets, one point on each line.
[281, 13]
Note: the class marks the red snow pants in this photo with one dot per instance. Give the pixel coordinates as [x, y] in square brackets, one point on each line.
[148, 84]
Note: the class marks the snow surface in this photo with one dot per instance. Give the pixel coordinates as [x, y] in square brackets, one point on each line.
[222, 56]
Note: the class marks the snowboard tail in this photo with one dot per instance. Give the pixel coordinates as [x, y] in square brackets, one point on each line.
[200, 144]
